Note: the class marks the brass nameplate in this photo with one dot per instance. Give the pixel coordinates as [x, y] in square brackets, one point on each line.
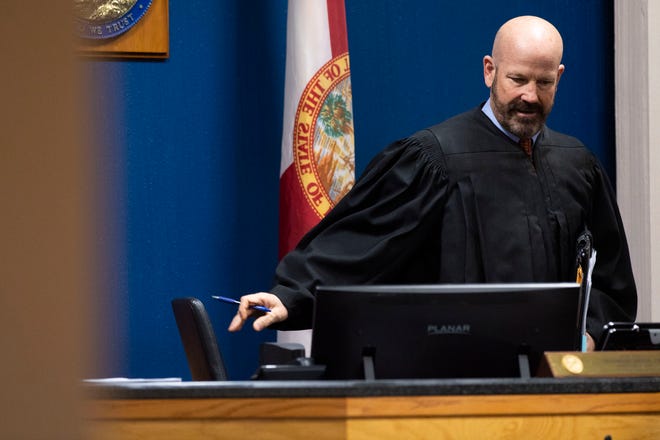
[601, 364]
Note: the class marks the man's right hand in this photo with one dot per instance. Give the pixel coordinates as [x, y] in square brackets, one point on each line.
[277, 311]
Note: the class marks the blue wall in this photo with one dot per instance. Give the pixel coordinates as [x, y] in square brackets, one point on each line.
[189, 146]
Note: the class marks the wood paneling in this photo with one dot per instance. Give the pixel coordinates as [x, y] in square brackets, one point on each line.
[634, 415]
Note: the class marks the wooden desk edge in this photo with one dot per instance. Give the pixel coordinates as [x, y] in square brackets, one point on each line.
[369, 407]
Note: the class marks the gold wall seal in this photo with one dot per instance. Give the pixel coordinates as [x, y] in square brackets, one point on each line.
[101, 10]
[99, 19]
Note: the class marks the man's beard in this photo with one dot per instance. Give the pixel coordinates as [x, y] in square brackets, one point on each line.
[507, 114]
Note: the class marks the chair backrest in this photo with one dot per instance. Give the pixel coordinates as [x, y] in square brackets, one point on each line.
[199, 341]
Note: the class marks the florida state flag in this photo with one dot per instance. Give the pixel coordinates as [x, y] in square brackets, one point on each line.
[318, 159]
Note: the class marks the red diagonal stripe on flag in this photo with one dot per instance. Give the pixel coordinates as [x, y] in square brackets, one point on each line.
[337, 24]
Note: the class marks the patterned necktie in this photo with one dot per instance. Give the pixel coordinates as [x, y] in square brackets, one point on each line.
[526, 145]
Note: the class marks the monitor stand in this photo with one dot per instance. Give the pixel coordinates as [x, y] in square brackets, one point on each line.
[368, 368]
[369, 371]
[523, 366]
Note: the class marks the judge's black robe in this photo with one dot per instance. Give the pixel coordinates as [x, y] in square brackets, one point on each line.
[461, 203]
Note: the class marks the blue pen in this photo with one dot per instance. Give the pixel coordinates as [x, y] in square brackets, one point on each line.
[235, 301]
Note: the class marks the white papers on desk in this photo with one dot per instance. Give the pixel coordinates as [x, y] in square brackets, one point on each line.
[108, 380]
[585, 299]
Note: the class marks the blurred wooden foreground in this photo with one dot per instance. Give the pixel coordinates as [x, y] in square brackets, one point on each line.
[46, 259]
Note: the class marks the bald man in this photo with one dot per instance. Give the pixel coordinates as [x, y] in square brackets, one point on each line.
[489, 196]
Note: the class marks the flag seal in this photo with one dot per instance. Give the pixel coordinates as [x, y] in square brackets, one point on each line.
[323, 136]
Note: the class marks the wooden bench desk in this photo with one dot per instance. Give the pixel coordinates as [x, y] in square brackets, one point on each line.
[537, 408]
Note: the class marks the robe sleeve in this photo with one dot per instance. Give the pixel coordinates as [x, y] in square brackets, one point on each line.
[613, 295]
[375, 234]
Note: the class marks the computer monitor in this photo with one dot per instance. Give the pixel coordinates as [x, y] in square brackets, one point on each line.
[442, 331]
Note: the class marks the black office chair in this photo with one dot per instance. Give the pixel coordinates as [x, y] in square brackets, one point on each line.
[199, 341]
